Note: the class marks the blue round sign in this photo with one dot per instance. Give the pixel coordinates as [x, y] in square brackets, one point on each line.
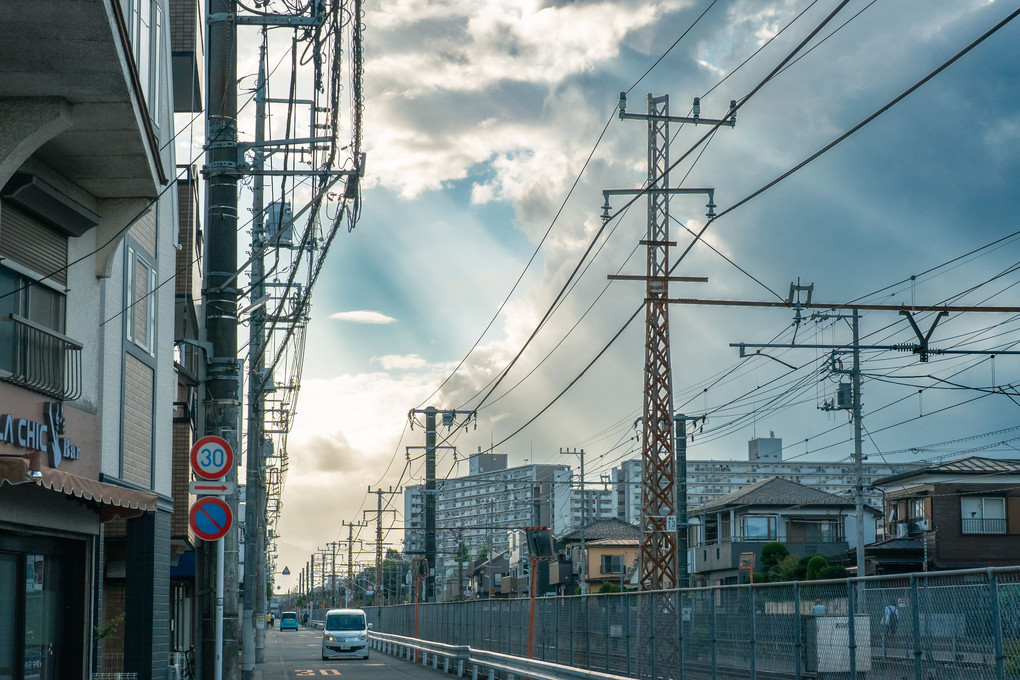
[210, 518]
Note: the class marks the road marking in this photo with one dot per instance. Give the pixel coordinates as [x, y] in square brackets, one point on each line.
[307, 672]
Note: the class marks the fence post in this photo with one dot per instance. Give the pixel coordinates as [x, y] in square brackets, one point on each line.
[627, 632]
[754, 633]
[851, 627]
[915, 623]
[711, 619]
[993, 606]
[680, 633]
[798, 631]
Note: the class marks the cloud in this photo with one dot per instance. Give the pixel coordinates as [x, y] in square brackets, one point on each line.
[397, 362]
[363, 316]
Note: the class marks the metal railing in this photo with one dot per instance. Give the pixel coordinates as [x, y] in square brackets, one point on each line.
[44, 361]
[960, 625]
[983, 526]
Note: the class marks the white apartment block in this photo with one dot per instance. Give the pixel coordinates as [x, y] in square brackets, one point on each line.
[710, 479]
[479, 510]
[573, 508]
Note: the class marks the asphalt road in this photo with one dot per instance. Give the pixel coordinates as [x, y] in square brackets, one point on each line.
[291, 655]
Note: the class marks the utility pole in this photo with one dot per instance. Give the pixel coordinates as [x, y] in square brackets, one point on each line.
[922, 348]
[683, 577]
[449, 418]
[380, 597]
[332, 585]
[658, 555]
[222, 386]
[253, 615]
[584, 520]
[350, 559]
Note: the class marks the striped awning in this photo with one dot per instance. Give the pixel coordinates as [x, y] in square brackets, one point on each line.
[111, 500]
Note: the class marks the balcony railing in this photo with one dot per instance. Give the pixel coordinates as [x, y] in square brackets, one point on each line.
[983, 526]
[44, 361]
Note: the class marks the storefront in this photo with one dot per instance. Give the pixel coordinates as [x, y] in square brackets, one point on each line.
[50, 519]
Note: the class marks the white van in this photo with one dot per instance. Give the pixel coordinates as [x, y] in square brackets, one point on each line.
[345, 634]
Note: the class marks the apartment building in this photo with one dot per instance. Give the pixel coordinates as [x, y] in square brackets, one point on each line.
[479, 510]
[574, 507]
[88, 235]
[708, 480]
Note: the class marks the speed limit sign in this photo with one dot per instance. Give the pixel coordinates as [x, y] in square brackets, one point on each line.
[211, 457]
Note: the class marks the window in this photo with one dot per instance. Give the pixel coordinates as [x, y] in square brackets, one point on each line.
[759, 527]
[916, 508]
[982, 515]
[145, 25]
[140, 302]
[33, 350]
[612, 564]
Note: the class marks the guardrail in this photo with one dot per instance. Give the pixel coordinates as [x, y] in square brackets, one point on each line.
[481, 663]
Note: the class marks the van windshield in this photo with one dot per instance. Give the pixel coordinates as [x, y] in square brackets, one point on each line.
[345, 622]
[289, 615]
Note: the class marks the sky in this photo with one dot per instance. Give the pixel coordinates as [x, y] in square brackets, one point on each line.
[490, 130]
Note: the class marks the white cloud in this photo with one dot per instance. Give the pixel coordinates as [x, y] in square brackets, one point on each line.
[363, 316]
[397, 362]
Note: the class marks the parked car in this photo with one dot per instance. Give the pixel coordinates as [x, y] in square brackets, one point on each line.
[288, 621]
[345, 634]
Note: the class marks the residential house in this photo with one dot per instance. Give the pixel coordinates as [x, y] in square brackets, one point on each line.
[806, 520]
[954, 515]
[610, 551]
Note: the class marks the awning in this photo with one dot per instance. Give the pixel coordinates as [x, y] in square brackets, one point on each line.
[112, 500]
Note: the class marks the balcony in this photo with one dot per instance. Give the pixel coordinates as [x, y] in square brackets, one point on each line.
[42, 360]
[982, 526]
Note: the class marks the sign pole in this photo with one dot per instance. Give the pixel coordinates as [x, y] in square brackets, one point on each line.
[218, 668]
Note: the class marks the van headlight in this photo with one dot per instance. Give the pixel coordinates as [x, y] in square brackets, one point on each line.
[362, 637]
[330, 638]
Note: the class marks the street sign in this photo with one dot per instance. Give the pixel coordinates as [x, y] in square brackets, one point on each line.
[203, 487]
[211, 457]
[210, 518]
[670, 523]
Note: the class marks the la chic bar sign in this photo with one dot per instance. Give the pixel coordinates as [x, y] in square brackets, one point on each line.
[46, 437]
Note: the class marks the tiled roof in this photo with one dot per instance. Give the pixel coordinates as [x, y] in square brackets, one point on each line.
[774, 491]
[604, 528]
[972, 465]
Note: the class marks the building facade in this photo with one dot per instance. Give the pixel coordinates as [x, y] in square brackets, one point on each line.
[478, 511]
[955, 515]
[88, 235]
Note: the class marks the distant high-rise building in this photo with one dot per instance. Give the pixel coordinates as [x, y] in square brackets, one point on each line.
[765, 448]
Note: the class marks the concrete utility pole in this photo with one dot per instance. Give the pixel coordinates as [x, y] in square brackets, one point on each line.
[658, 555]
[584, 520]
[449, 417]
[253, 615]
[380, 597]
[222, 386]
[683, 577]
[350, 560]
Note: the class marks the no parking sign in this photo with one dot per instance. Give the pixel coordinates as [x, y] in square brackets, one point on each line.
[210, 518]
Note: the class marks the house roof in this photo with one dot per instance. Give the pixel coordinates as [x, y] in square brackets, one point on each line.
[612, 528]
[775, 491]
[615, 542]
[972, 465]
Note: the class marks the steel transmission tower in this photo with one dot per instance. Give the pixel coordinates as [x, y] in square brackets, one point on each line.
[658, 558]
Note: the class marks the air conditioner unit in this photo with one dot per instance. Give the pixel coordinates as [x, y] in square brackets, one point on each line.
[901, 530]
[919, 525]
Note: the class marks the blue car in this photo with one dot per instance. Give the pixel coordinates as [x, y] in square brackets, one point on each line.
[288, 621]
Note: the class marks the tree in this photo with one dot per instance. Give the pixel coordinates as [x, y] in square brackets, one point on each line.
[483, 554]
[815, 564]
[609, 587]
[771, 554]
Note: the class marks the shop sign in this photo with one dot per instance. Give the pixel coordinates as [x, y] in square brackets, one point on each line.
[46, 436]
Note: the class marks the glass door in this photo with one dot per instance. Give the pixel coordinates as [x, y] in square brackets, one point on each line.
[8, 614]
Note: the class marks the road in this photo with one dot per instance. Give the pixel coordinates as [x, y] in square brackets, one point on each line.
[291, 655]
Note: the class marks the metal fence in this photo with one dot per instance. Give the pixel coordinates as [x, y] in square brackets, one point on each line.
[962, 625]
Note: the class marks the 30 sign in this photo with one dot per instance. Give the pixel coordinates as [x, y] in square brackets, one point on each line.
[211, 457]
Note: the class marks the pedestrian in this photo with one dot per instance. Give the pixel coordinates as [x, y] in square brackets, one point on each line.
[891, 618]
[818, 609]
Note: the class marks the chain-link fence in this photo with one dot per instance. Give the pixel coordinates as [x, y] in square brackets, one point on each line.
[962, 625]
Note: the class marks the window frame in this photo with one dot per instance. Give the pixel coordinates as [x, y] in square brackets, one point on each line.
[131, 301]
